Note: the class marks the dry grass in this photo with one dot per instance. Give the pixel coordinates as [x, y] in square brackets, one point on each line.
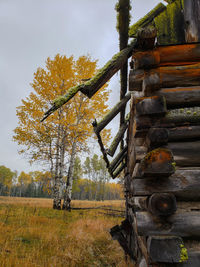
[33, 234]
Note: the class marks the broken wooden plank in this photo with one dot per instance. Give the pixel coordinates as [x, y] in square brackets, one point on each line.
[98, 127]
[179, 224]
[184, 184]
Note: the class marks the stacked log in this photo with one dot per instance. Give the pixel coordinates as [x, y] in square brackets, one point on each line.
[164, 154]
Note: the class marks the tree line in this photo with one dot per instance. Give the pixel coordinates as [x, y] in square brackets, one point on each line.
[91, 181]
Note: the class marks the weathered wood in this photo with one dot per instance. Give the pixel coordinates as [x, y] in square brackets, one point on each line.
[164, 77]
[170, 25]
[157, 137]
[179, 224]
[168, 249]
[146, 38]
[90, 87]
[118, 170]
[98, 127]
[158, 162]
[151, 105]
[160, 136]
[185, 153]
[193, 260]
[118, 138]
[146, 20]
[184, 184]
[173, 118]
[173, 55]
[162, 204]
[118, 159]
[192, 20]
[181, 97]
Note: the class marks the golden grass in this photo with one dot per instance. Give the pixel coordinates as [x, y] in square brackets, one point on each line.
[33, 234]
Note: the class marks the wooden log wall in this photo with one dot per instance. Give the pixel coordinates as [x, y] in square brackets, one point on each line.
[164, 155]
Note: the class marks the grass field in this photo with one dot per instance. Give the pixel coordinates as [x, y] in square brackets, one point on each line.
[33, 234]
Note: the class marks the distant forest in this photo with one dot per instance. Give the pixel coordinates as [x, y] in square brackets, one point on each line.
[91, 181]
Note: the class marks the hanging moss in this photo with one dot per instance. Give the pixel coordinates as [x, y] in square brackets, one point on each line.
[169, 24]
[146, 20]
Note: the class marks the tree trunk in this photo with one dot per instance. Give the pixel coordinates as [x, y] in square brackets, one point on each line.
[68, 192]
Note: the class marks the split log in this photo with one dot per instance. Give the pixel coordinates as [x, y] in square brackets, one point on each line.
[162, 204]
[192, 21]
[158, 162]
[173, 118]
[179, 224]
[164, 77]
[151, 105]
[118, 138]
[114, 111]
[181, 97]
[184, 184]
[173, 55]
[169, 249]
[160, 136]
[146, 20]
[93, 85]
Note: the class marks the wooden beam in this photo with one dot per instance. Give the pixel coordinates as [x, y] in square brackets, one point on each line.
[191, 14]
[158, 162]
[169, 249]
[151, 105]
[118, 159]
[157, 137]
[90, 87]
[173, 55]
[98, 127]
[119, 136]
[184, 184]
[164, 77]
[179, 224]
[162, 204]
[181, 97]
[146, 20]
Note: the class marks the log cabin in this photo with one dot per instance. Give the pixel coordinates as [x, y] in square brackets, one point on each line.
[159, 139]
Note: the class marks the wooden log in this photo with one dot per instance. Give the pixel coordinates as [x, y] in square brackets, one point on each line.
[181, 97]
[179, 224]
[172, 55]
[93, 85]
[98, 127]
[162, 204]
[118, 170]
[146, 20]
[118, 159]
[151, 105]
[184, 184]
[118, 138]
[192, 21]
[158, 162]
[173, 118]
[146, 38]
[157, 137]
[164, 77]
[193, 260]
[169, 249]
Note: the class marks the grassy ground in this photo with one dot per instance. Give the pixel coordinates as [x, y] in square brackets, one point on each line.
[33, 234]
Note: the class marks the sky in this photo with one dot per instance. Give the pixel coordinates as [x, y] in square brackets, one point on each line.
[33, 30]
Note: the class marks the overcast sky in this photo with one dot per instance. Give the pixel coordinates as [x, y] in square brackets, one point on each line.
[31, 31]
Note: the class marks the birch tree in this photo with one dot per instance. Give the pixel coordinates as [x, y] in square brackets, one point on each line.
[56, 141]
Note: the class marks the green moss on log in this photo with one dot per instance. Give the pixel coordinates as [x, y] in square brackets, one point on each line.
[146, 20]
[183, 254]
[169, 25]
